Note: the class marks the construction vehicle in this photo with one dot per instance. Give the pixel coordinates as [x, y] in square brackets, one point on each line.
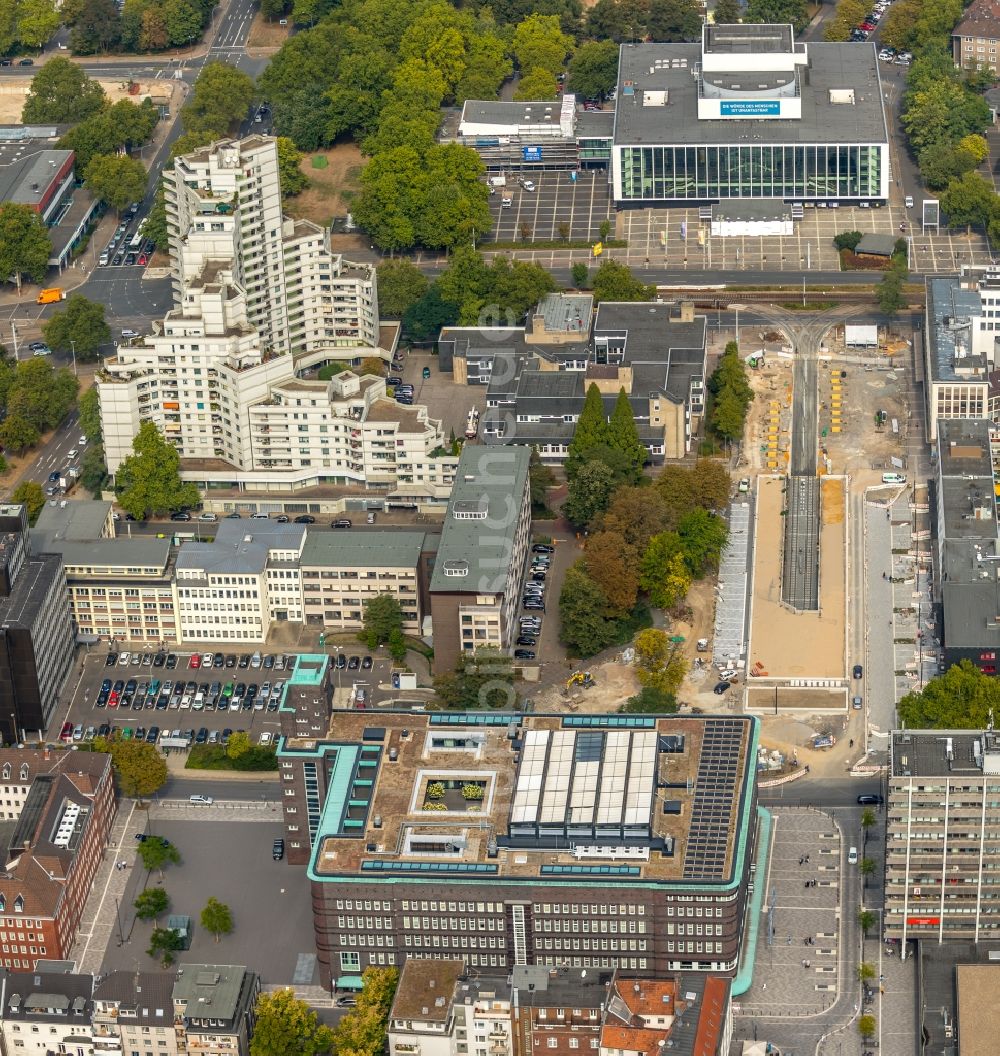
[581, 678]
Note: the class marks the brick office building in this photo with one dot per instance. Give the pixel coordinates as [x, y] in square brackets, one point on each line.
[52, 850]
[590, 841]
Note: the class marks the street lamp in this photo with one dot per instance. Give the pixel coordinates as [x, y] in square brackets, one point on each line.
[72, 345]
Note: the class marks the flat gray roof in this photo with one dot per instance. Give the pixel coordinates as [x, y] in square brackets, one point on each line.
[73, 521]
[138, 552]
[951, 311]
[273, 534]
[748, 39]
[498, 112]
[349, 549]
[491, 477]
[210, 991]
[241, 559]
[831, 66]
[26, 180]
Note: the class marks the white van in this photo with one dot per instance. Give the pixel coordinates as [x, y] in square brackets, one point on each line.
[201, 800]
[893, 478]
[852, 856]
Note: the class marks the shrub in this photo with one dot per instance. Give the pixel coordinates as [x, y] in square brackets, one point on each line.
[435, 806]
[435, 790]
[472, 791]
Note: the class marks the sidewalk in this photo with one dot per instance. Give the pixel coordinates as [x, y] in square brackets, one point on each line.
[99, 923]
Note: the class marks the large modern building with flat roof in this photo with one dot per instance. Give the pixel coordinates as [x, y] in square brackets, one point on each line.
[749, 113]
[941, 861]
[605, 841]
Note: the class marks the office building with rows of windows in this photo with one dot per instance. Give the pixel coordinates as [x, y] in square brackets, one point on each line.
[942, 864]
[605, 841]
[749, 113]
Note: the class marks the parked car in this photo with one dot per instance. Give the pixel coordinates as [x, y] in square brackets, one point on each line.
[523, 654]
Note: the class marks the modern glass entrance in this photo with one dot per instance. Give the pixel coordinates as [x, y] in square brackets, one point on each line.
[699, 173]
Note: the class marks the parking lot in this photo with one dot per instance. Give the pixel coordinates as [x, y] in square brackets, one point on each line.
[558, 207]
[257, 890]
[446, 401]
[178, 708]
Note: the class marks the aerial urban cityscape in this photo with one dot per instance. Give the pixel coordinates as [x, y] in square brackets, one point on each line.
[606, 654]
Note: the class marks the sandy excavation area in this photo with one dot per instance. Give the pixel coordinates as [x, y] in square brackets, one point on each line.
[13, 93]
[791, 644]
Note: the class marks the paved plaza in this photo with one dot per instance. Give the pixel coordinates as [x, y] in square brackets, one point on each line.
[793, 977]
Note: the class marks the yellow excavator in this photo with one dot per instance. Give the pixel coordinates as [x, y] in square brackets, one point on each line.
[581, 678]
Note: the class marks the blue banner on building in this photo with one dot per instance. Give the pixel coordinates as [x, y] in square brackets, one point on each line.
[531, 153]
[749, 108]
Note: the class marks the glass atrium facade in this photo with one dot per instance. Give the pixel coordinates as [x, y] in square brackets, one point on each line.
[721, 172]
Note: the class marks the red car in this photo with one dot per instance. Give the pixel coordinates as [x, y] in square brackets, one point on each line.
[194, 661]
[143, 259]
[867, 26]
[67, 732]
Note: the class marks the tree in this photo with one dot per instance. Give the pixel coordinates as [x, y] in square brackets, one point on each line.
[591, 430]
[728, 416]
[90, 415]
[29, 493]
[540, 479]
[362, 1031]
[778, 11]
[849, 13]
[615, 282]
[651, 701]
[481, 680]
[617, 20]
[867, 868]
[383, 615]
[663, 572]
[611, 564]
[866, 972]
[293, 180]
[62, 93]
[183, 22]
[155, 852]
[674, 21]
[39, 394]
[221, 96]
[866, 920]
[589, 493]
[217, 918]
[537, 84]
[867, 822]
[239, 744]
[969, 199]
[426, 318]
[623, 435]
[890, 292]
[139, 767]
[119, 127]
[37, 21]
[637, 514]
[286, 1026]
[150, 903]
[164, 943]
[94, 470]
[847, 239]
[702, 535]
[371, 366]
[960, 699]
[579, 272]
[727, 12]
[660, 663]
[25, 246]
[401, 284]
[97, 27]
[593, 71]
[17, 434]
[975, 145]
[867, 1027]
[582, 604]
[539, 43]
[116, 179]
[149, 480]
[941, 163]
[80, 326]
